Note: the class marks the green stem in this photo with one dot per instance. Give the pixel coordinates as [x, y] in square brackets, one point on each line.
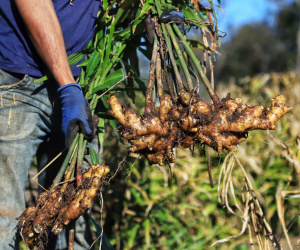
[157, 3]
[80, 150]
[73, 163]
[80, 158]
[169, 46]
[109, 43]
[173, 61]
[165, 73]
[83, 148]
[199, 69]
[180, 56]
[66, 161]
[93, 103]
[94, 100]
[112, 62]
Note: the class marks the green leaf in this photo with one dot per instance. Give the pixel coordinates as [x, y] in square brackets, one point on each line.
[75, 58]
[137, 79]
[135, 24]
[194, 16]
[89, 45]
[219, 42]
[213, 10]
[22, 246]
[132, 235]
[83, 64]
[199, 14]
[104, 99]
[166, 6]
[147, 229]
[145, 10]
[113, 123]
[136, 196]
[188, 13]
[113, 78]
[124, 34]
[101, 130]
[93, 155]
[198, 44]
[141, 14]
[110, 42]
[44, 78]
[81, 81]
[93, 62]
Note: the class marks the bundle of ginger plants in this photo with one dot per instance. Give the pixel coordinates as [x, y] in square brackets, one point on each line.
[57, 207]
[176, 116]
[182, 118]
[72, 193]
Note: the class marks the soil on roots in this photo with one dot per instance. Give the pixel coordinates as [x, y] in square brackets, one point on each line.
[56, 208]
[190, 121]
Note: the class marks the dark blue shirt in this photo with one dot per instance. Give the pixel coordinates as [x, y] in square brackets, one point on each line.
[18, 55]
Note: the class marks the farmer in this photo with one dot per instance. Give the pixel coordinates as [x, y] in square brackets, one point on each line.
[35, 38]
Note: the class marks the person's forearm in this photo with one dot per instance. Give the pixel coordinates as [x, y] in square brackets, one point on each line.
[45, 33]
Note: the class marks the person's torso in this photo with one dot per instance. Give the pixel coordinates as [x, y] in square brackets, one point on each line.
[17, 54]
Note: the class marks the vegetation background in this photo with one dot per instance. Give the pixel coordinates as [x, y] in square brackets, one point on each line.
[147, 207]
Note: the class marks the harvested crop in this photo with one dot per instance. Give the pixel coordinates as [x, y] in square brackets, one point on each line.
[190, 121]
[182, 118]
[92, 180]
[60, 205]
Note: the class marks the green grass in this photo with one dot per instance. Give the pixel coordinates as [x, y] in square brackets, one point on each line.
[142, 212]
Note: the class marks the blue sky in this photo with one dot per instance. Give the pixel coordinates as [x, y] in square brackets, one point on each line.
[241, 12]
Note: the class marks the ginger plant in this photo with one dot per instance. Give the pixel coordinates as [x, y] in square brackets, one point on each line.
[182, 118]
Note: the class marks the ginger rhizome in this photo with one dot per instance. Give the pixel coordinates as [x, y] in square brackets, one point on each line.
[183, 119]
[190, 121]
[60, 205]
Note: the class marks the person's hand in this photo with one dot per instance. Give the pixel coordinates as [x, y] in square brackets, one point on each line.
[173, 16]
[76, 113]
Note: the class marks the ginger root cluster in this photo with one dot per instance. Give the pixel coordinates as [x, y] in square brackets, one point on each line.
[190, 121]
[59, 206]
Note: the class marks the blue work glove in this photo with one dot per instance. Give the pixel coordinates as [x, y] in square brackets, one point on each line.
[76, 113]
[173, 16]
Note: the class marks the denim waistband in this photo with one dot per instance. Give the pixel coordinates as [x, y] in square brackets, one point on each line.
[16, 75]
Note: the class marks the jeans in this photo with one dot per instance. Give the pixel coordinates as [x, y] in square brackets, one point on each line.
[29, 126]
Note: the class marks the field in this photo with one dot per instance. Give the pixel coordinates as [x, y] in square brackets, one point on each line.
[158, 207]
